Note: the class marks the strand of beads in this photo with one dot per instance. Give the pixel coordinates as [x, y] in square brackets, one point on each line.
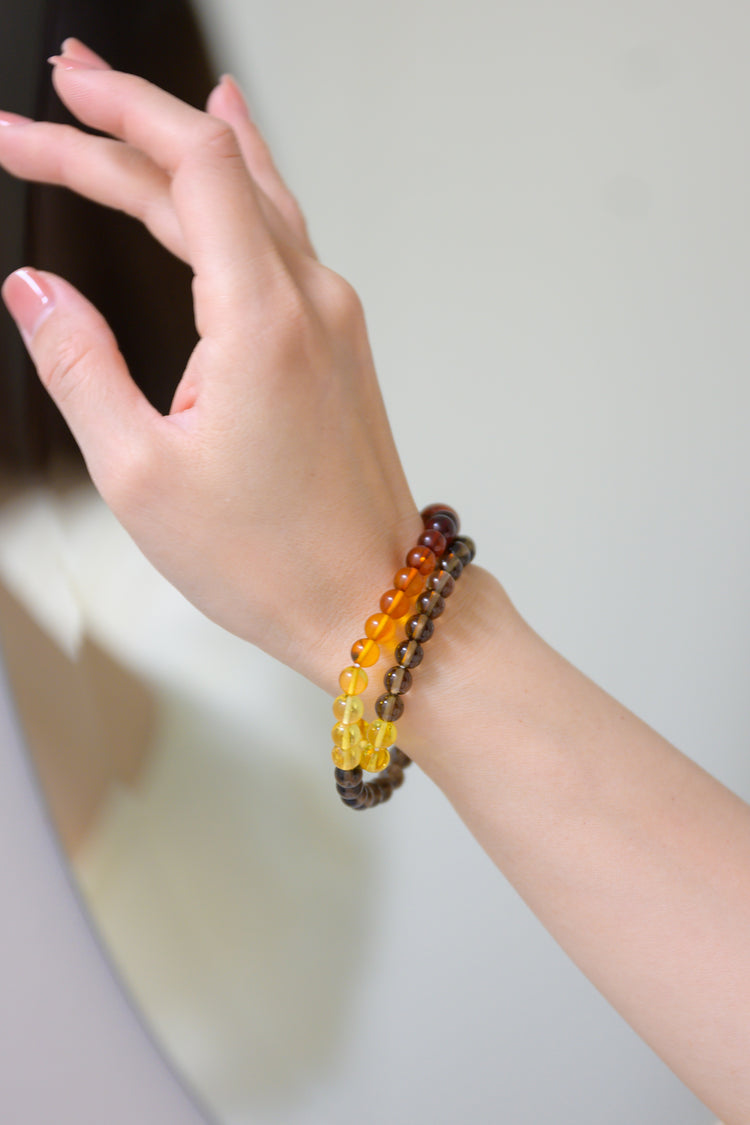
[417, 598]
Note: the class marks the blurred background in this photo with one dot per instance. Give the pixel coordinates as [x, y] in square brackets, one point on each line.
[543, 207]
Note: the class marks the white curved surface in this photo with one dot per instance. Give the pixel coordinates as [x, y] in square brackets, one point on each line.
[72, 1049]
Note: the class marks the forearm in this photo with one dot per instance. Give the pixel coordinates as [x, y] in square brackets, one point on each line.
[635, 859]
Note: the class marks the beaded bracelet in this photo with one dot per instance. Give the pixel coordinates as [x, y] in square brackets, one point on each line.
[432, 568]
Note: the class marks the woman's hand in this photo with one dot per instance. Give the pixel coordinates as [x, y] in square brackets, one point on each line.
[271, 495]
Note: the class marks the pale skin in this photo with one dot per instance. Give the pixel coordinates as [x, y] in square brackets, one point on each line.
[635, 859]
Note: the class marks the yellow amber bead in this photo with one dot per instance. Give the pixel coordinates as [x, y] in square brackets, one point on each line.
[381, 734]
[379, 627]
[345, 759]
[347, 735]
[353, 680]
[348, 708]
[374, 760]
[365, 652]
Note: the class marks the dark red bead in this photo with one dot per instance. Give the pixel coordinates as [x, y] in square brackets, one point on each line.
[433, 539]
[445, 523]
[422, 559]
[439, 509]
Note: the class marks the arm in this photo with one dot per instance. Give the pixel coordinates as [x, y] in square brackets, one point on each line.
[273, 497]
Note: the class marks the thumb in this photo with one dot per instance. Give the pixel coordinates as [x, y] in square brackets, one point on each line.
[79, 363]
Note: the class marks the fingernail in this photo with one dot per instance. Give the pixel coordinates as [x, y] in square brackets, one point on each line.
[13, 118]
[29, 299]
[74, 49]
[232, 87]
[65, 62]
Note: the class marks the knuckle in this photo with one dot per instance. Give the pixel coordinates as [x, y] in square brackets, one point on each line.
[69, 369]
[218, 138]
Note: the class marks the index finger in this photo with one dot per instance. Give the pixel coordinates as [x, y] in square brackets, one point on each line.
[228, 242]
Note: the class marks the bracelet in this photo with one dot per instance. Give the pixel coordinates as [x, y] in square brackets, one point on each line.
[417, 598]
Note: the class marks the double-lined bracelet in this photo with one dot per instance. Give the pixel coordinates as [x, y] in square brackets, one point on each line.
[417, 598]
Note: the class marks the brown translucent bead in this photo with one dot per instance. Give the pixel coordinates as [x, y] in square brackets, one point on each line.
[439, 509]
[409, 654]
[433, 539]
[365, 652]
[396, 603]
[384, 787]
[465, 549]
[441, 582]
[389, 707]
[431, 603]
[395, 775]
[397, 680]
[398, 758]
[422, 559]
[379, 627]
[452, 564]
[409, 580]
[420, 627]
[348, 779]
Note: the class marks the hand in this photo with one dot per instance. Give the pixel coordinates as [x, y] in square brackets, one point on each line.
[271, 495]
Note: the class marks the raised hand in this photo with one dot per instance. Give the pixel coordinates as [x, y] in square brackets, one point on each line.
[272, 494]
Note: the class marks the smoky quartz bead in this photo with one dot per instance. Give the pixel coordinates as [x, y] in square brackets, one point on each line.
[389, 707]
[431, 603]
[420, 627]
[452, 564]
[397, 680]
[465, 549]
[409, 653]
[441, 582]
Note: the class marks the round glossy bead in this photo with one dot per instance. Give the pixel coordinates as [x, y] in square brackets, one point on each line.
[347, 735]
[420, 627]
[444, 522]
[345, 759]
[365, 652]
[384, 787]
[379, 627]
[397, 680]
[422, 559]
[465, 545]
[348, 779]
[437, 509]
[409, 580]
[396, 603]
[409, 654]
[389, 707]
[375, 759]
[398, 758]
[452, 564]
[431, 603]
[433, 539]
[441, 582]
[396, 775]
[348, 708]
[381, 734]
[353, 681]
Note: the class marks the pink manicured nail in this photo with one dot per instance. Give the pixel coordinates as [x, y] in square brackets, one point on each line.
[75, 49]
[29, 299]
[13, 118]
[64, 62]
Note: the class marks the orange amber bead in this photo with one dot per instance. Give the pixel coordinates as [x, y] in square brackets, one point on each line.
[348, 708]
[396, 603]
[374, 760]
[422, 559]
[345, 759]
[379, 627]
[365, 652]
[353, 681]
[409, 580]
